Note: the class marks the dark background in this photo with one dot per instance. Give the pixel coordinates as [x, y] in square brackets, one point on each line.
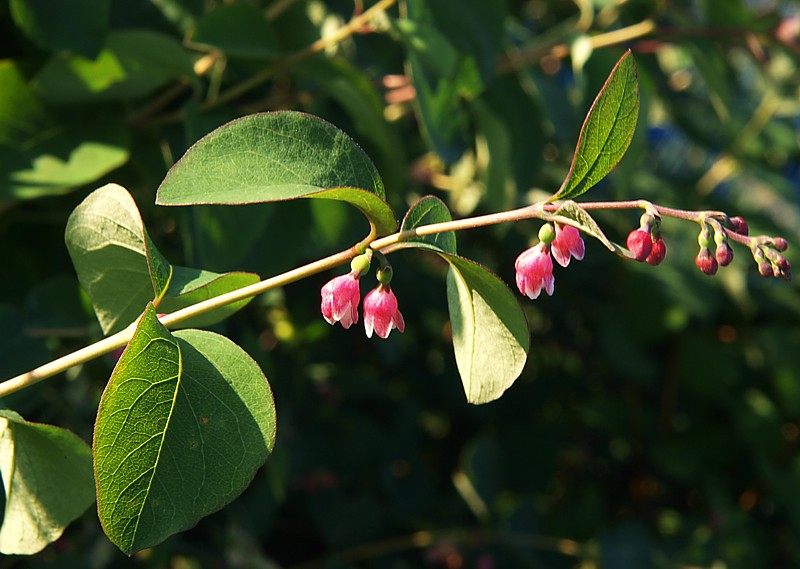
[657, 421]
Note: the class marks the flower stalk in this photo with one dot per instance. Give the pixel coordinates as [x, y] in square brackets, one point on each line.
[765, 250]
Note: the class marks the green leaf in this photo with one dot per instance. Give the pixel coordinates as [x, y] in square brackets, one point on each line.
[117, 264]
[43, 152]
[133, 64]
[427, 211]
[573, 214]
[274, 157]
[606, 132]
[190, 286]
[47, 475]
[238, 29]
[183, 425]
[78, 26]
[490, 333]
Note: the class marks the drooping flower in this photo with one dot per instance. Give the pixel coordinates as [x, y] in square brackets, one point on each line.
[381, 313]
[340, 297]
[568, 242]
[535, 271]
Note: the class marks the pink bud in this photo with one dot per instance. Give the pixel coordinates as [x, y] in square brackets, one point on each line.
[340, 297]
[381, 313]
[535, 271]
[640, 243]
[780, 244]
[706, 262]
[568, 242]
[657, 252]
[724, 254]
[739, 225]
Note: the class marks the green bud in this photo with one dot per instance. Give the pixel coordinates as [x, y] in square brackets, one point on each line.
[547, 233]
[385, 274]
[360, 264]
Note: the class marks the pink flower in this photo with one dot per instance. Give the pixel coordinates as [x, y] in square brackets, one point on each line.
[535, 271]
[340, 297]
[568, 242]
[381, 313]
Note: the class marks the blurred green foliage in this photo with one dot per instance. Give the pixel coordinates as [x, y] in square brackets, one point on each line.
[657, 422]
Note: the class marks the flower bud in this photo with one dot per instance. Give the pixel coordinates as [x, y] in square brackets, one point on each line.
[724, 254]
[780, 244]
[547, 234]
[764, 268]
[567, 243]
[657, 252]
[739, 225]
[706, 262]
[640, 243]
[360, 264]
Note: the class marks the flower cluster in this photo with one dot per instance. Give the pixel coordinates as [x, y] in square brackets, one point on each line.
[766, 251]
[534, 266]
[645, 243]
[341, 295]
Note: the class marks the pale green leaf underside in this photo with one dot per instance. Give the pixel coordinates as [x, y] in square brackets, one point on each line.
[571, 213]
[183, 425]
[47, 476]
[427, 211]
[190, 286]
[274, 157]
[490, 333]
[607, 130]
[117, 264]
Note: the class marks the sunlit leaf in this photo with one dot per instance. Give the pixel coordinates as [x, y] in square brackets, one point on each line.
[274, 157]
[134, 63]
[573, 214]
[427, 211]
[490, 333]
[190, 286]
[183, 425]
[47, 476]
[606, 132]
[117, 264]
[44, 152]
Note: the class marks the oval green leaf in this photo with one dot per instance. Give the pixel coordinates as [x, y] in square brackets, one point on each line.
[490, 333]
[427, 211]
[278, 156]
[117, 264]
[190, 286]
[607, 130]
[47, 476]
[183, 425]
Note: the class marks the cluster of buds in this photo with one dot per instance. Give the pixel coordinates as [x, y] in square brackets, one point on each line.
[341, 296]
[534, 266]
[645, 243]
[766, 250]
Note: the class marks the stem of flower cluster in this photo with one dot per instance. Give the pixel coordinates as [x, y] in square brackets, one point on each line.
[384, 245]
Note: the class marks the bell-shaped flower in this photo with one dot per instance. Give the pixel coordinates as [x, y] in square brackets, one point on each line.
[568, 242]
[535, 271]
[340, 297]
[381, 313]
